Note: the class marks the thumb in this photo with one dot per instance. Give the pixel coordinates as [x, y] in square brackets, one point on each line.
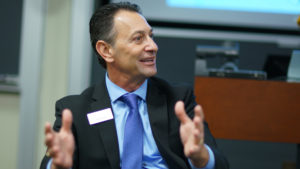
[180, 112]
[66, 120]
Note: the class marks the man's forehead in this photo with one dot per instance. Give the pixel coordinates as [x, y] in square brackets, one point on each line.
[130, 19]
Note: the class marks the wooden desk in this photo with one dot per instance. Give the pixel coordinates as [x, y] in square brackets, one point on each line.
[250, 109]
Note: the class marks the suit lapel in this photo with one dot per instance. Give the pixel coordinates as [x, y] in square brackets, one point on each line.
[158, 114]
[107, 129]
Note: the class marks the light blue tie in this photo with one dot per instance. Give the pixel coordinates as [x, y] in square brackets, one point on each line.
[133, 135]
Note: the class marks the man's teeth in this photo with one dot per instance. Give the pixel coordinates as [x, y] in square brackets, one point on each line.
[147, 60]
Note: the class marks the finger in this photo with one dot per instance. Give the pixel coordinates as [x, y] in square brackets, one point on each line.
[199, 112]
[198, 133]
[198, 123]
[180, 112]
[48, 128]
[54, 151]
[49, 139]
[66, 120]
[49, 135]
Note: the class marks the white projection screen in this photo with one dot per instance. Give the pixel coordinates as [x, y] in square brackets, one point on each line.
[264, 14]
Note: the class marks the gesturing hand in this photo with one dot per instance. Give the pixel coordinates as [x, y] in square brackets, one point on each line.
[192, 135]
[61, 144]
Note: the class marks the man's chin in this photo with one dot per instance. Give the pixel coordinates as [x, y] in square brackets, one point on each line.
[150, 73]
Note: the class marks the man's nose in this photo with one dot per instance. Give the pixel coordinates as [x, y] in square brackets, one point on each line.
[151, 46]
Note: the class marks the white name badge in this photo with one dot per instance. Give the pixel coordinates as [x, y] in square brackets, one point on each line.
[100, 116]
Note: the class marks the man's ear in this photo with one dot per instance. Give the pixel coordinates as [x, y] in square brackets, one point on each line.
[104, 50]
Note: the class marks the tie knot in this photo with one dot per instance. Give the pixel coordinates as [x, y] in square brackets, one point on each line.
[130, 99]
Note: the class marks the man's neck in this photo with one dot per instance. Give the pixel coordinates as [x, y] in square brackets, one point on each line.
[127, 83]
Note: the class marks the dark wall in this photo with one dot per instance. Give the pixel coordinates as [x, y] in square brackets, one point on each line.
[10, 31]
[176, 56]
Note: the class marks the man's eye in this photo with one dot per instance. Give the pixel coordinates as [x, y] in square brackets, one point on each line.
[138, 38]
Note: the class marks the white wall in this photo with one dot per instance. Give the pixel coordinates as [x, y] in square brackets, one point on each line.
[54, 67]
[47, 55]
[9, 122]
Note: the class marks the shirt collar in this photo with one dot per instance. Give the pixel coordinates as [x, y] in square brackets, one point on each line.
[115, 91]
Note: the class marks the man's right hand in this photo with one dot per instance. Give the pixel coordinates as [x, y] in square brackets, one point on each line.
[61, 144]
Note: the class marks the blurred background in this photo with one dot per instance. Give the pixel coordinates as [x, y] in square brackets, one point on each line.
[46, 54]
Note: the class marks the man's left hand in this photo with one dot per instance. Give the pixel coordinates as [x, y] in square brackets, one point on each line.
[192, 135]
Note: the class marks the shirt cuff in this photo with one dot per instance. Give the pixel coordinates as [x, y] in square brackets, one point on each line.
[211, 161]
[50, 163]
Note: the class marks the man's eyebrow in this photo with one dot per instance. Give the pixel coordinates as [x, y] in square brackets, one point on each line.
[142, 31]
[139, 31]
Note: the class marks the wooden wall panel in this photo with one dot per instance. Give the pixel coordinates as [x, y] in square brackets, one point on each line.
[250, 109]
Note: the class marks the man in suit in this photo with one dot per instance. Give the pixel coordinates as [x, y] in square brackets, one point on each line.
[90, 129]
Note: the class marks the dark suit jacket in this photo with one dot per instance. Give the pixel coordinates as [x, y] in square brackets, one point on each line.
[97, 145]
